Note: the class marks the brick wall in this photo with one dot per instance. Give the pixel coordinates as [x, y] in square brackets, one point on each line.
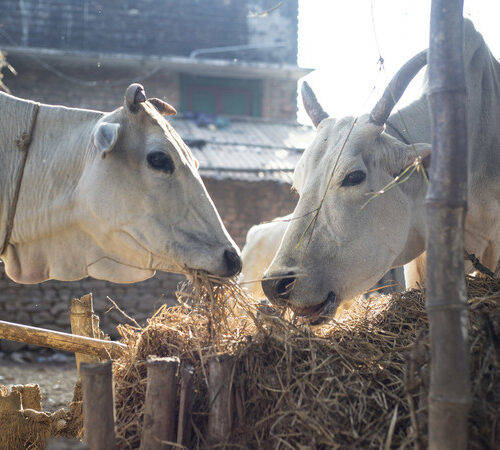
[241, 204]
[36, 83]
[279, 96]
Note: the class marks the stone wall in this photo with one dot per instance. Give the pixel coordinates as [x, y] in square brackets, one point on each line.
[241, 204]
[47, 304]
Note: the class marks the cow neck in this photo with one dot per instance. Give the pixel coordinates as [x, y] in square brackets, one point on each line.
[23, 145]
[396, 132]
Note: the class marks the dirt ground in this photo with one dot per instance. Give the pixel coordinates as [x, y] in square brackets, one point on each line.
[56, 379]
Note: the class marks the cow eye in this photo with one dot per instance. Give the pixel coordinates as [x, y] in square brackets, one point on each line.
[354, 178]
[161, 161]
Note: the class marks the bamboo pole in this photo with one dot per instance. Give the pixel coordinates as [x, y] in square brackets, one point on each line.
[220, 416]
[81, 316]
[158, 425]
[98, 406]
[446, 203]
[60, 341]
[186, 399]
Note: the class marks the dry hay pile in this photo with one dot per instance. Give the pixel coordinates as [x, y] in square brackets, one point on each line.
[360, 382]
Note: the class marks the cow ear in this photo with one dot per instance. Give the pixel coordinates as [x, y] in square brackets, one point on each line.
[105, 137]
[410, 154]
[163, 107]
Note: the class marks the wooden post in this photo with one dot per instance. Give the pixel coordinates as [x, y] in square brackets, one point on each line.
[446, 203]
[98, 406]
[82, 324]
[185, 406]
[11, 402]
[158, 425]
[239, 404]
[60, 341]
[219, 393]
[31, 396]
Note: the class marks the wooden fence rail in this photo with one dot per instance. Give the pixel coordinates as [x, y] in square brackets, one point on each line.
[60, 341]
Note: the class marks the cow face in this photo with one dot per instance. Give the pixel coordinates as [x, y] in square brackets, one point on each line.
[148, 206]
[343, 236]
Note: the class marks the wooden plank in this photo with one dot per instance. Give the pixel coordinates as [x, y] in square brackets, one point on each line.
[60, 341]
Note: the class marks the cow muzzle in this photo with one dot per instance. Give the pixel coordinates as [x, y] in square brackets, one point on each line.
[278, 290]
[233, 263]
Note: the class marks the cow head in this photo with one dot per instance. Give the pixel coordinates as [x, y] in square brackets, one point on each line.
[133, 203]
[149, 198]
[343, 236]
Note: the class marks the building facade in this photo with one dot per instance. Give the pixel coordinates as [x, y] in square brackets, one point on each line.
[230, 57]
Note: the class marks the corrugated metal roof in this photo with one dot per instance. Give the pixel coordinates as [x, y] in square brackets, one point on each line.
[250, 150]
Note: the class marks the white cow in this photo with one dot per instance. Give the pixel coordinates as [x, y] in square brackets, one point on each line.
[351, 243]
[262, 243]
[114, 196]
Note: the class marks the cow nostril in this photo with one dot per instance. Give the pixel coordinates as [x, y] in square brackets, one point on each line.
[277, 289]
[233, 262]
[284, 287]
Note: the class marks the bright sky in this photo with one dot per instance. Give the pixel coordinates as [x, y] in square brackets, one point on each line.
[337, 38]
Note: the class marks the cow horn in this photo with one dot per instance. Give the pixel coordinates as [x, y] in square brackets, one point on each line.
[311, 104]
[134, 95]
[393, 92]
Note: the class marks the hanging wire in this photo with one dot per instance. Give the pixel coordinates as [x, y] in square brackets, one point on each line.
[406, 129]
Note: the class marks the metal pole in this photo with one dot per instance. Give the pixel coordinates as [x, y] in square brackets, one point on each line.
[446, 203]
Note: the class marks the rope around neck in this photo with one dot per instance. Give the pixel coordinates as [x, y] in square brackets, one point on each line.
[23, 144]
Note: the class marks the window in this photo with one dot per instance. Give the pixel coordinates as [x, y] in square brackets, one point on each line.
[222, 96]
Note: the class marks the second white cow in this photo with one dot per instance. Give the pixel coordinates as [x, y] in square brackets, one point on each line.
[262, 243]
[343, 236]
